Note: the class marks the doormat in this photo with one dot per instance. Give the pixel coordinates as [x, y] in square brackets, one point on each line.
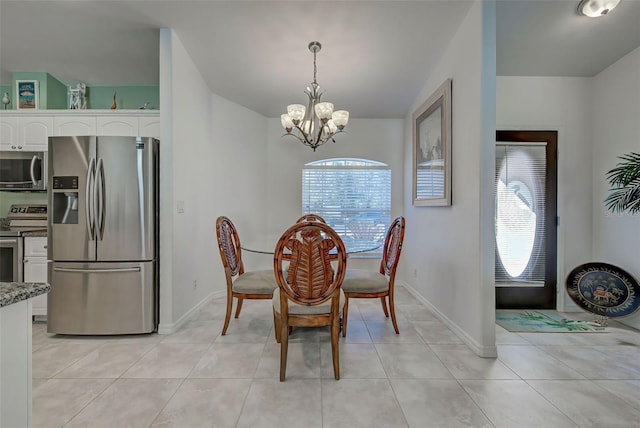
[542, 322]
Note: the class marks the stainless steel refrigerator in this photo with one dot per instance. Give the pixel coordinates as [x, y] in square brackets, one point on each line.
[103, 235]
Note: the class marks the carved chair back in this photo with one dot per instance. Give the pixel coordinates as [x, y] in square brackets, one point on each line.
[311, 217]
[314, 260]
[392, 247]
[229, 246]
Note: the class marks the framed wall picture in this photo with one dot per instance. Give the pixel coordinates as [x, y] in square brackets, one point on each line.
[27, 94]
[432, 149]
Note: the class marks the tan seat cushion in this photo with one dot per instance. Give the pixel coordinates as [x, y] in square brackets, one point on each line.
[364, 281]
[256, 282]
[294, 308]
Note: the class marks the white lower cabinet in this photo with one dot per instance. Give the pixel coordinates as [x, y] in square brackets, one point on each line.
[35, 269]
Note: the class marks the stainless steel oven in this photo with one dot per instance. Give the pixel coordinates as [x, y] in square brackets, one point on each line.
[10, 258]
[21, 170]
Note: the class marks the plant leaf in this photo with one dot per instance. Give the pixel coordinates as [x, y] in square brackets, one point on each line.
[625, 185]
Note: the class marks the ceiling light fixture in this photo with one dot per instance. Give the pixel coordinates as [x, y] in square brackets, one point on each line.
[596, 8]
[318, 117]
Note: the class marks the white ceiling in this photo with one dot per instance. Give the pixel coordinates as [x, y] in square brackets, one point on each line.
[375, 57]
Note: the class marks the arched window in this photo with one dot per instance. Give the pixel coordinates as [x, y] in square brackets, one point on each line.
[352, 195]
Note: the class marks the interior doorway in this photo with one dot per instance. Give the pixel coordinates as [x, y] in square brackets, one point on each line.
[525, 219]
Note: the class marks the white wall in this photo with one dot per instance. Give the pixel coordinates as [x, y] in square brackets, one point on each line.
[186, 238]
[237, 184]
[562, 104]
[212, 154]
[616, 131]
[445, 257]
[165, 322]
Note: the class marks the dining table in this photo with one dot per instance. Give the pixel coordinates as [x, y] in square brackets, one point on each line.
[267, 244]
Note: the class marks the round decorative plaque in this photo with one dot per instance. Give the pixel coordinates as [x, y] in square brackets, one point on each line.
[604, 289]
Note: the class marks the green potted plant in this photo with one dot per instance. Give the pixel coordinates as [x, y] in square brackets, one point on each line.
[625, 185]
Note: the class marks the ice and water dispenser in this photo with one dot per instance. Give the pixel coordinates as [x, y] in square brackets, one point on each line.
[65, 200]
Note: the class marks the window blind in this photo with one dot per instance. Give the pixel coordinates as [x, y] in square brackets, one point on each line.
[353, 197]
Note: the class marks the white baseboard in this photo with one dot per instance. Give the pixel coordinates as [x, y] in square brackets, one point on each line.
[481, 351]
[169, 328]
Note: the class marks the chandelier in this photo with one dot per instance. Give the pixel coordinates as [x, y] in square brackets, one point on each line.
[318, 123]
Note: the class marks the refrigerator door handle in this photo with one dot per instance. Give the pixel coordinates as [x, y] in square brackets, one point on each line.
[114, 270]
[89, 198]
[100, 199]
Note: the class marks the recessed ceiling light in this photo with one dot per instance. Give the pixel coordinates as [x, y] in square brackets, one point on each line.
[596, 8]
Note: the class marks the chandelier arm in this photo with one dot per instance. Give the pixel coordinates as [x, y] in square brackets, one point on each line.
[320, 129]
[296, 136]
[330, 137]
[305, 140]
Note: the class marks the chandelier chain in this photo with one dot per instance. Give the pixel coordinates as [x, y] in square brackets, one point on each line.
[315, 67]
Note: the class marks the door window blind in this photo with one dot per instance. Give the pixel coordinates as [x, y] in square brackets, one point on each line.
[520, 212]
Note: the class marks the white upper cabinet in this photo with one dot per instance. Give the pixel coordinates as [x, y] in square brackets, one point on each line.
[8, 133]
[33, 132]
[118, 125]
[27, 133]
[74, 125]
[130, 126]
[149, 126]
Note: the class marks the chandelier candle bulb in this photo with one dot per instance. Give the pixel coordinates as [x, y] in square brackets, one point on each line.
[300, 122]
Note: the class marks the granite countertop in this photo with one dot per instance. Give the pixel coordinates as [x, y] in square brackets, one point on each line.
[41, 233]
[14, 292]
[37, 232]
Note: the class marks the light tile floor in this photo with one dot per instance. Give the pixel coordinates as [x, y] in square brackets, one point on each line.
[424, 377]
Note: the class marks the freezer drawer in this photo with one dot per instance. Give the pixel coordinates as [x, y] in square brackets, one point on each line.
[101, 298]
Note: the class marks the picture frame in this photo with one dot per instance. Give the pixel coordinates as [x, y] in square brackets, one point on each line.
[432, 149]
[27, 95]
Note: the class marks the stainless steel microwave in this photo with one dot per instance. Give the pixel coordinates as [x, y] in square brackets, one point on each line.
[22, 170]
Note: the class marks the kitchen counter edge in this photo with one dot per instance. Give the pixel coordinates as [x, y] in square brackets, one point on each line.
[14, 292]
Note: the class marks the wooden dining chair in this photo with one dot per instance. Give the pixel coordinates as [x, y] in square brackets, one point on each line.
[360, 283]
[311, 217]
[258, 284]
[309, 263]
